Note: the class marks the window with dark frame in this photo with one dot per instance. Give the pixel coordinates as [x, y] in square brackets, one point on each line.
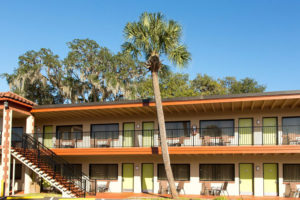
[18, 171]
[69, 132]
[105, 131]
[76, 170]
[216, 172]
[178, 129]
[104, 171]
[291, 172]
[181, 172]
[215, 128]
[17, 133]
[291, 125]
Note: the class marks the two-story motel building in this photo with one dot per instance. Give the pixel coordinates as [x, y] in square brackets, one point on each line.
[251, 141]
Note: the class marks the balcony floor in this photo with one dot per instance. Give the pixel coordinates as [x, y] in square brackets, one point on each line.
[204, 150]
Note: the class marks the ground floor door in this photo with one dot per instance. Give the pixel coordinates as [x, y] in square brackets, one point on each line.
[245, 131]
[128, 175]
[246, 179]
[128, 134]
[147, 177]
[48, 134]
[270, 179]
[148, 134]
[270, 131]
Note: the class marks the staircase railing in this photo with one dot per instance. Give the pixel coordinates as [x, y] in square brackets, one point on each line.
[57, 164]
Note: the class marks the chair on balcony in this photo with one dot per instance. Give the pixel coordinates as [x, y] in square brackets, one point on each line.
[225, 140]
[163, 187]
[108, 143]
[206, 141]
[285, 140]
[67, 143]
[180, 187]
[181, 141]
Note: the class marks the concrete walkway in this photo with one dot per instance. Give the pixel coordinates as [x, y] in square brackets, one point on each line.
[128, 195]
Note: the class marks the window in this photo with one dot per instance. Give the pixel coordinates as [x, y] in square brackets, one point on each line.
[104, 171]
[291, 172]
[18, 172]
[17, 133]
[291, 125]
[76, 170]
[216, 172]
[181, 172]
[217, 127]
[69, 132]
[105, 131]
[178, 129]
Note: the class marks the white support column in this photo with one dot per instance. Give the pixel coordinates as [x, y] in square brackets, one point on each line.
[27, 180]
[13, 176]
[258, 180]
[137, 178]
[28, 173]
[6, 146]
[30, 125]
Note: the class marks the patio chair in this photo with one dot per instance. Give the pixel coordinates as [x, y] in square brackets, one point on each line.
[104, 188]
[163, 187]
[107, 144]
[181, 141]
[206, 188]
[180, 187]
[57, 143]
[225, 140]
[206, 141]
[293, 189]
[289, 191]
[222, 189]
[92, 189]
[285, 140]
[68, 143]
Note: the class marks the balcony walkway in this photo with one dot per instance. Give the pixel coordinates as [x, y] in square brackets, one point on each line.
[129, 195]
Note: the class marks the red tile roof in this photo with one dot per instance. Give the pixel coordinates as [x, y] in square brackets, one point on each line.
[11, 95]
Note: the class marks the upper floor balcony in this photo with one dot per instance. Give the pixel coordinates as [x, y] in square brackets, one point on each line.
[188, 137]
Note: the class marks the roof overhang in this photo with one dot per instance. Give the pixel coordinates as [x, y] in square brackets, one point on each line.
[225, 103]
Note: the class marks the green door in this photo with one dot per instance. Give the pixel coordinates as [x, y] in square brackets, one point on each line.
[270, 131]
[245, 132]
[48, 134]
[270, 179]
[148, 134]
[128, 134]
[127, 178]
[246, 179]
[147, 178]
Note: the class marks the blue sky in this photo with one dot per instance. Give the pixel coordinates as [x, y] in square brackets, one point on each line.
[259, 39]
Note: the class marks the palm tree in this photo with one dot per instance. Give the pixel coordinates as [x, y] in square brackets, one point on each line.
[152, 37]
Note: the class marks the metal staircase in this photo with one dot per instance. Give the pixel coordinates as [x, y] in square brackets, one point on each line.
[49, 166]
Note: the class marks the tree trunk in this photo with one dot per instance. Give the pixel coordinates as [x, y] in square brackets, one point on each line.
[163, 135]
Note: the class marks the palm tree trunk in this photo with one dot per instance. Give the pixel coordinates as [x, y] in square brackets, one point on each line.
[163, 135]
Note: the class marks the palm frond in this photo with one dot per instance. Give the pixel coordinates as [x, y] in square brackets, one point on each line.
[179, 56]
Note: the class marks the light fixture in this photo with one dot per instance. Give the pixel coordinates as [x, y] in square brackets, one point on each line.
[194, 128]
[257, 122]
[137, 125]
[6, 104]
[257, 168]
[137, 167]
